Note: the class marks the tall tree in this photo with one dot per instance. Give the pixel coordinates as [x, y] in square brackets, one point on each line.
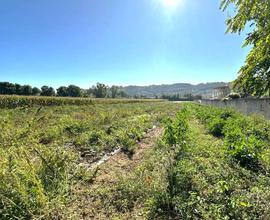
[254, 76]
[100, 91]
[62, 91]
[114, 91]
[26, 90]
[18, 89]
[47, 91]
[74, 91]
[7, 88]
[36, 91]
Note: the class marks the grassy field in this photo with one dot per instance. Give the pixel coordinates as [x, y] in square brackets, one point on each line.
[209, 164]
[42, 150]
[176, 161]
[13, 101]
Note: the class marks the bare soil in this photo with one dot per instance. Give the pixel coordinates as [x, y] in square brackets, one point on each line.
[108, 174]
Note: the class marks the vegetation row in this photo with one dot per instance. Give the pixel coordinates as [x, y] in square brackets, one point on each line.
[98, 91]
[210, 164]
[11, 101]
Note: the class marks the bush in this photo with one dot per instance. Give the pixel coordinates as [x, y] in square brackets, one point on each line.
[245, 137]
[216, 126]
[176, 132]
[244, 148]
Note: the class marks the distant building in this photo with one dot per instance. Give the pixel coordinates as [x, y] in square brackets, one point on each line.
[221, 92]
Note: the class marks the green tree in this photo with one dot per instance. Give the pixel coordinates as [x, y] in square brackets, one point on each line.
[91, 91]
[122, 94]
[254, 76]
[74, 91]
[18, 89]
[114, 91]
[62, 91]
[36, 91]
[7, 88]
[26, 90]
[47, 91]
[100, 91]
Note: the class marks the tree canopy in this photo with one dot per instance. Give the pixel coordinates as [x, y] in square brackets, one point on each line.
[98, 91]
[252, 16]
[47, 91]
[114, 91]
[74, 91]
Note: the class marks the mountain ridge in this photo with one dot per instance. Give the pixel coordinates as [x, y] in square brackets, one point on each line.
[203, 89]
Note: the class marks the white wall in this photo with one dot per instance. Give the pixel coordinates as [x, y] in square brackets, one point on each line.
[246, 106]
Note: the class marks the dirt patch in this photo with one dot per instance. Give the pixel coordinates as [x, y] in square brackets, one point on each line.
[118, 165]
[121, 165]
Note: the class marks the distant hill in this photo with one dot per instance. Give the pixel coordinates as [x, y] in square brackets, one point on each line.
[203, 89]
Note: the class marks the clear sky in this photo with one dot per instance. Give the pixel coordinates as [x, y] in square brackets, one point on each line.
[123, 42]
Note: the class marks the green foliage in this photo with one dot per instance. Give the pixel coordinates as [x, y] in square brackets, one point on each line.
[176, 132]
[254, 75]
[32, 177]
[176, 136]
[62, 91]
[114, 91]
[26, 101]
[245, 137]
[35, 91]
[47, 91]
[100, 91]
[216, 126]
[26, 90]
[215, 178]
[74, 91]
[191, 174]
[245, 142]
[245, 150]
[40, 148]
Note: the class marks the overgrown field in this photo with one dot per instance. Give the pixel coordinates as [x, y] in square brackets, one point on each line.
[13, 101]
[210, 164]
[42, 149]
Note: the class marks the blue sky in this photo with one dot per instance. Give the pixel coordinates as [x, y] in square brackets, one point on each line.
[123, 42]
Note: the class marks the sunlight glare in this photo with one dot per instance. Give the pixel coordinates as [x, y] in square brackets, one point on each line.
[171, 4]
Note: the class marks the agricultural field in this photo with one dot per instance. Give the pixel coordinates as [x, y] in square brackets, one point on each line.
[46, 152]
[142, 160]
[15, 101]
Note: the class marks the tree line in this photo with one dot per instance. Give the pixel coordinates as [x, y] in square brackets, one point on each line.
[98, 91]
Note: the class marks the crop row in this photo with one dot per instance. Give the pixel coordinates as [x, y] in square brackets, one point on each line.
[219, 168]
[245, 138]
[9, 101]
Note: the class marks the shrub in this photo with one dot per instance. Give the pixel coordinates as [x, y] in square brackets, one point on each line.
[176, 132]
[216, 126]
[245, 149]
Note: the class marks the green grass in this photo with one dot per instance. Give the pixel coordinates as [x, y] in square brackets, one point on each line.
[210, 163]
[192, 174]
[41, 148]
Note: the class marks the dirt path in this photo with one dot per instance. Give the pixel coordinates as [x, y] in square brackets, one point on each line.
[108, 174]
[121, 165]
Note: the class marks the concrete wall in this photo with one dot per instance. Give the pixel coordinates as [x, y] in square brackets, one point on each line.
[247, 106]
